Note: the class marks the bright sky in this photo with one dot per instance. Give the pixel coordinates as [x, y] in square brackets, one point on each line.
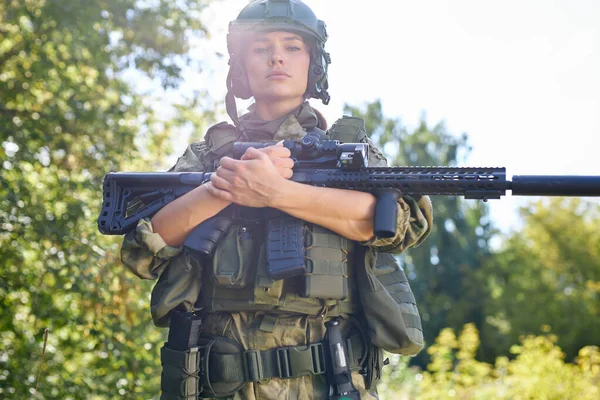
[521, 78]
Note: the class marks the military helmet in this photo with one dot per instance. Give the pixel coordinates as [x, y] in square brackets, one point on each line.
[278, 15]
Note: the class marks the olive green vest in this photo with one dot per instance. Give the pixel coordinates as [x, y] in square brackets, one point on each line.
[236, 279]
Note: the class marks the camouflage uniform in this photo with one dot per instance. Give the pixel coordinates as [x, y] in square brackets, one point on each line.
[182, 281]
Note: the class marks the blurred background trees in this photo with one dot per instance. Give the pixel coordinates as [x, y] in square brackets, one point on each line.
[79, 88]
[444, 269]
[69, 113]
[546, 277]
[543, 280]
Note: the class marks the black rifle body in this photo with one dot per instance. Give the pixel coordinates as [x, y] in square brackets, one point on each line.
[155, 189]
[131, 196]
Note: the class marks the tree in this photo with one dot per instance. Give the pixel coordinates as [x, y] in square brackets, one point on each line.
[443, 269]
[68, 115]
[547, 277]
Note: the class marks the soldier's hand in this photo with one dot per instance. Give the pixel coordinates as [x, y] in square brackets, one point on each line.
[279, 155]
[255, 181]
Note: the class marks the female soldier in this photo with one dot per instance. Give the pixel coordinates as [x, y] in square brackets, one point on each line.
[261, 337]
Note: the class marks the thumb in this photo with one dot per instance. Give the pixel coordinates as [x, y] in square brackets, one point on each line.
[252, 154]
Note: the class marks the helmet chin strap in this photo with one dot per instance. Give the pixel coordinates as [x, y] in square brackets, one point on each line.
[231, 108]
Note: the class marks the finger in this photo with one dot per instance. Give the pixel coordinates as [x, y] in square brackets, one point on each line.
[278, 151]
[249, 154]
[255, 154]
[211, 189]
[284, 162]
[265, 149]
[220, 183]
[286, 173]
[226, 174]
[221, 194]
[229, 163]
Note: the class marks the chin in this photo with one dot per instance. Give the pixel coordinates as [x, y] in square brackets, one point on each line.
[273, 96]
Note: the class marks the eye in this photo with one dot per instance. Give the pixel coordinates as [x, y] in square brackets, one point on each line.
[259, 50]
[294, 48]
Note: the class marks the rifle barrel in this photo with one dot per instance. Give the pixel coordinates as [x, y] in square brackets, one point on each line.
[555, 185]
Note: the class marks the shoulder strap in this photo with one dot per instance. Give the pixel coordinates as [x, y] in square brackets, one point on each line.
[348, 130]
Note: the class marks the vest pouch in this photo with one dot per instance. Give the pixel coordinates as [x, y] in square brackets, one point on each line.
[180, 370]
[326, 264]
[234, 260]
[266, 290]
[389, 306]
[324, 287]
[215, 379]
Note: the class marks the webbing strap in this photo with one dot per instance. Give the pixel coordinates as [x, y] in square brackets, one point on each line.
[392, 278]
[403, 297]
[281, 362]
[258, 365]
[180, 378]
[412, 321]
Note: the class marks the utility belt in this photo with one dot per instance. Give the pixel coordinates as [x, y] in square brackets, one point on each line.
[219, 366]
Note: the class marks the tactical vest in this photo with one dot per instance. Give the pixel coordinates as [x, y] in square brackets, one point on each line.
[237, 280]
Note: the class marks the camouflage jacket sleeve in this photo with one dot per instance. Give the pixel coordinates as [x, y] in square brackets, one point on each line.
[144, 252]
[415, 218]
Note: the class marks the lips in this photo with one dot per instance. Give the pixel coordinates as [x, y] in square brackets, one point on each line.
[278, 73]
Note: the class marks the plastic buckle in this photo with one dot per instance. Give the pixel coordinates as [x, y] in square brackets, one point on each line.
[253, 365]
[284, 368]
[293, 362]
[318, 356]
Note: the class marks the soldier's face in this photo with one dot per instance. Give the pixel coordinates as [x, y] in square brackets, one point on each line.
[277, 66]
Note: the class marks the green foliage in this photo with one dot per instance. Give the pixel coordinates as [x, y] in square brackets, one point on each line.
[68, 116]
[536, 371]
[547, 277]
[443, 270]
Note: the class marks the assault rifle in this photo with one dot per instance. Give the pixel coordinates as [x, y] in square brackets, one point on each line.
[130, 196]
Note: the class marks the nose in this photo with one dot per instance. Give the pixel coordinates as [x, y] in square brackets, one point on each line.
[276, 58]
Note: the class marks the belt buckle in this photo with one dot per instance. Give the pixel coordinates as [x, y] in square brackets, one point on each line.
[293, 362]
[253, 365]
